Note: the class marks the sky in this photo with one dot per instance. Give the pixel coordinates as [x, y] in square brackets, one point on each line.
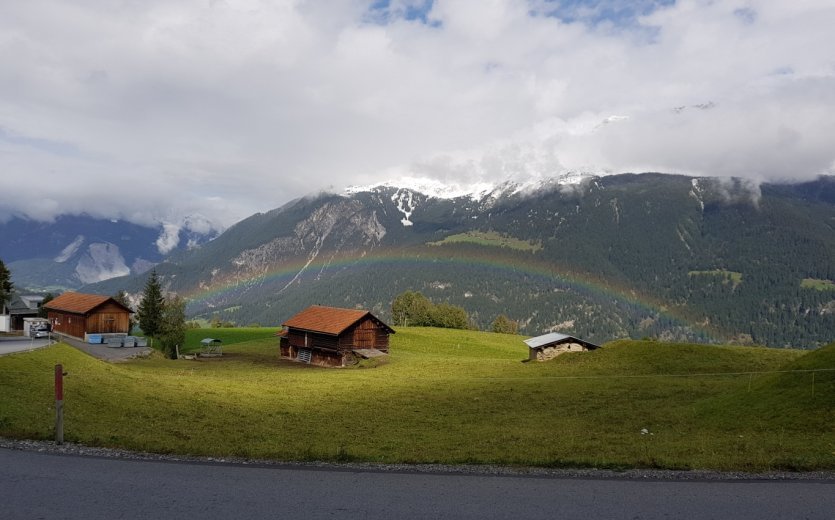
[203, 112]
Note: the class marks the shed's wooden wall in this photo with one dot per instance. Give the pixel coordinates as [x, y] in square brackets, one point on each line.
[109, 318]
[67, 323]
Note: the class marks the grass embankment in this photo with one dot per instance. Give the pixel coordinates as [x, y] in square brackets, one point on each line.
[451, 397]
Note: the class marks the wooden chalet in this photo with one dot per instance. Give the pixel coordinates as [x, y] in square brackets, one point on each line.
[333, 337]
[78, 315]
[549, 346]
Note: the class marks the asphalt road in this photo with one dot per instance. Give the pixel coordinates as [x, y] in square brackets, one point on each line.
[11, 344]
[40, 485]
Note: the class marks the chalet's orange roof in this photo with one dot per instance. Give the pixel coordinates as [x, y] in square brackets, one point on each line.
[78, 303]
[327, 320]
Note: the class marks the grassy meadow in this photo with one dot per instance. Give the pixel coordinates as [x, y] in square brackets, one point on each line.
[446, 396]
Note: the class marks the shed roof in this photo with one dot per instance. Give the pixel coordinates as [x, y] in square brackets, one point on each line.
[556, 337]
[80, 303]
[329, 320]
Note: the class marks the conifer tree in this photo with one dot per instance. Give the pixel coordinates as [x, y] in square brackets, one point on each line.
[150, 307]
[5, 286]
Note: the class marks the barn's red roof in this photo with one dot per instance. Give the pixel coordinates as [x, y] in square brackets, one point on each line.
[79, 303]
[329, 320]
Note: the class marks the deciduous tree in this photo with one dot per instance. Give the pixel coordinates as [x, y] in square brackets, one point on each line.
[42, 313]
[172, 330]
[411, 308]
[504, 325]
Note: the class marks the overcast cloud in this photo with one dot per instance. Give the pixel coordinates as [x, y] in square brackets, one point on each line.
[152, 110]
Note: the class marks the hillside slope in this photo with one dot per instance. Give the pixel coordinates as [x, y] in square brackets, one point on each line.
[442, 397]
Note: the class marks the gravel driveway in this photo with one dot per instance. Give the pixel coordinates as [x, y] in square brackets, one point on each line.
[112, 354]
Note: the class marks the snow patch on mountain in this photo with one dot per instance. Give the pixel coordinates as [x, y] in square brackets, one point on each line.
[70, 250]
[405, 201]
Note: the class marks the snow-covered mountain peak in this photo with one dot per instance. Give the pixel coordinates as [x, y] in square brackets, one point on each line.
[434, 188]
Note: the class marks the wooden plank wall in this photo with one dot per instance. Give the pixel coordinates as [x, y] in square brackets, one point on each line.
[66, 323]
[108, 318]
[314, 340]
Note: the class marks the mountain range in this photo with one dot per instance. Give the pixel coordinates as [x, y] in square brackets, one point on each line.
[76, 250]
[633, 255]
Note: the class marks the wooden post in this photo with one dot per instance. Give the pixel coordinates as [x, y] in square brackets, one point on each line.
[59, 404]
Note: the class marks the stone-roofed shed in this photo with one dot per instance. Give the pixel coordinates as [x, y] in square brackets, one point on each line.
[332, 336]
[549, 346]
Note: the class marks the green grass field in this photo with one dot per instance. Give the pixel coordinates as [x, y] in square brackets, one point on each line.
[229, 336]
[818, 285]
[492, 239]
[732, 277]
[447, 396]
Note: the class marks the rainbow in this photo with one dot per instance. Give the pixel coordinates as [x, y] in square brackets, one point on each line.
[484, 259]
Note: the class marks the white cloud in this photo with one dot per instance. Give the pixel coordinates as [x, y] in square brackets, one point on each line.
[168, 238]
[177, 112]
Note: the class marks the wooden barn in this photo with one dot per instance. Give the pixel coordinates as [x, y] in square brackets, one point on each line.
[77, 315]
[334, 337]
[549, 346]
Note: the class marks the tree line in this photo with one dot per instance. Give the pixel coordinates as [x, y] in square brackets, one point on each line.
[412, 308]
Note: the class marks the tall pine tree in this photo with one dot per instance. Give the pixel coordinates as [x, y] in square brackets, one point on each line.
[150, 307]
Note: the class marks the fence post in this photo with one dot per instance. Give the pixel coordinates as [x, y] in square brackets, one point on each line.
[59, 404]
